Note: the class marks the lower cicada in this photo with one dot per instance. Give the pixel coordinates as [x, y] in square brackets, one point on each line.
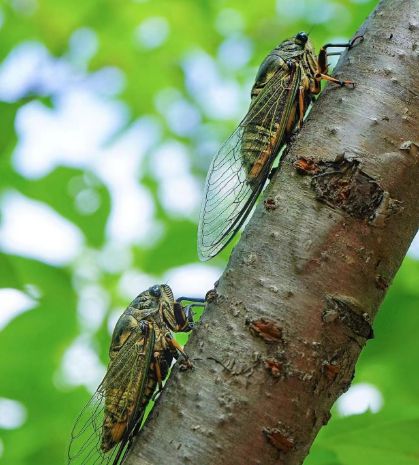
[285, 85]
[141, 353]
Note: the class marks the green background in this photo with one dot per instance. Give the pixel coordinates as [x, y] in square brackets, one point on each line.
[33, 345]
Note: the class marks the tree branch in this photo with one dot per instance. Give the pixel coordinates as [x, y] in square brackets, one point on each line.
[297, 300]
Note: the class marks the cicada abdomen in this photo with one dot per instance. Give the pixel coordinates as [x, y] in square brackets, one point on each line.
[285, 84]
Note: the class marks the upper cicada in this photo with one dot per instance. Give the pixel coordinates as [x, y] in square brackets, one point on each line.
[285, 84]
[141, 353]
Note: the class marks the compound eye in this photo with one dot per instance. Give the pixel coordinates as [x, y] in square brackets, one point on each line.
[302, 37]
[155, 291]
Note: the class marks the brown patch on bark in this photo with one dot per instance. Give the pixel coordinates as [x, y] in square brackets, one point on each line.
[342, 184]
[342, 309]
[306, 166]
[279, 439]
[331, 369]
[381, 283]
[273, 366]
[268, 330]
[270, 204]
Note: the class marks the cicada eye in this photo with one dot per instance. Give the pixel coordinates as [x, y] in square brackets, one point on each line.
[155, 291]
[301, 37]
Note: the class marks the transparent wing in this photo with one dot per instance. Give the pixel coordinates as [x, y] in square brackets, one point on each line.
[127, 373]
[230, 191]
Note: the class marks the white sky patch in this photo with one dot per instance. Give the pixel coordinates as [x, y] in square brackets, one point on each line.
[77, 131]
[12, 304]
[181, 196]
[314, 11]
[131, 218]
[292, 10]
[219, 97]
[132, 282]
[68, 135]
[107, 81]
[208, 139]
[182, 117]
[25, 7]
[179, 192]
[152, 32]
[132, 214]
[170, 160]
[321, 12]
[92, 306]
[12, 413]
[87, 201]
[29, 68]
[18, 72]
[81, 366]
[115, 257]
[193, 280]
[229, 21]
[83, 45]
[34, 229]
[360, 398]
[414, 248]
[85, 269]
[235, 52]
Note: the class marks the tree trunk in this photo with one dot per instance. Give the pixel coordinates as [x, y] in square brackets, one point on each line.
[295, 305]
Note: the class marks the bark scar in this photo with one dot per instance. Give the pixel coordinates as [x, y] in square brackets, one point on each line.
[346, 311]
[342, 184]
[273, 366]
[279, 439]
[269, 330]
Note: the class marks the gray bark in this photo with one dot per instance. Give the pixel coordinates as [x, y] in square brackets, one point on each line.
[296, 302]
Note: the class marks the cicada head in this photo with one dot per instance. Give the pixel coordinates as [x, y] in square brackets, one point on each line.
[171, 312]
[176, 317]
[295, 46]
[152, 300]
[303, 40]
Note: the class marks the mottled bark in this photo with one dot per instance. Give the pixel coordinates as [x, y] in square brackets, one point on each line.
[296, 303]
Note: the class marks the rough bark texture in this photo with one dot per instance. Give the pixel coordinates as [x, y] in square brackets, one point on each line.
[297, 300]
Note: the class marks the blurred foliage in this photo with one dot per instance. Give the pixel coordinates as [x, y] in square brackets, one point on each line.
[34, 343]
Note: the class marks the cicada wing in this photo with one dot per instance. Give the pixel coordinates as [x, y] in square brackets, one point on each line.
[230, 191]
[119, 396]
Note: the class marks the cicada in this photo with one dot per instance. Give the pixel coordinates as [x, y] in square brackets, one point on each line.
[141, 353]
[285, 86]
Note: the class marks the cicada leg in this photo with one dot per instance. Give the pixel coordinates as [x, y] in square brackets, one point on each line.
[158, 370]
[326, 77]
[187, 363]
[322, 64]
[301, 106]
[158, 373]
